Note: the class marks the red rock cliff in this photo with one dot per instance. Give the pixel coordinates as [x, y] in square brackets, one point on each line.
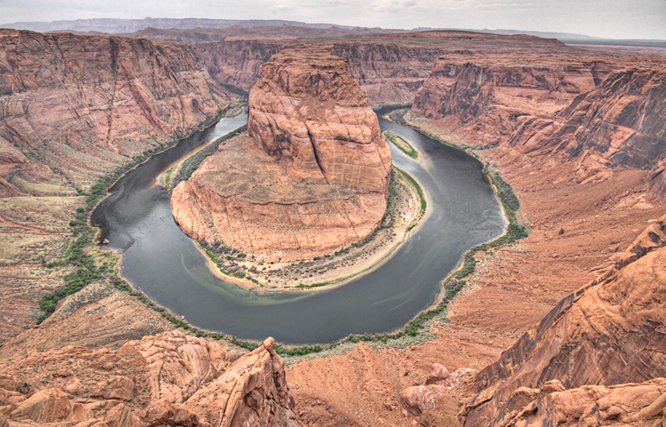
[482, 97]
[78, 103]
[619, 124]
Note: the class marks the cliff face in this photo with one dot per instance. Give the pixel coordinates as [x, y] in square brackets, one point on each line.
[79, 104]
[311, 179]
[481, 98]
[610, 332]
[237, 62]
[167, 379]
[621, 123]
[599, 117]
[388, 73]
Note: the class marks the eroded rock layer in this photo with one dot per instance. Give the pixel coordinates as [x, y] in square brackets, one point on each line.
[590, 109]
[481, 97]
[621, 123]
[610, 332]
[167, 379]
[311, 178]
[79, 104]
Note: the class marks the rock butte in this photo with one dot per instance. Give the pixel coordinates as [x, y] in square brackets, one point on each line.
[310, 178]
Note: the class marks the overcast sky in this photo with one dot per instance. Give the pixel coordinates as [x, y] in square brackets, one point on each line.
[603, 18]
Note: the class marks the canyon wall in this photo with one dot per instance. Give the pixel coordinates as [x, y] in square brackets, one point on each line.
[480, 98]
[390, 68]
[619, 124]
[80, 105]
[238, 62]
[388, 73]
[589, 109]
[310, 179]
[609, 332]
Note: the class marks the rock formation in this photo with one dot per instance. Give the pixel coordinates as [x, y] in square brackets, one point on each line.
[597, 116]
[621, 123]
[481, 97]
[168, 379]
[388, 67]
[78, 104]
[610, 332]
[311, 178]
[617, 405]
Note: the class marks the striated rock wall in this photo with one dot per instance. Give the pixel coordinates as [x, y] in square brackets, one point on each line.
[388, 73]
[617, 405]
[610, 332]
[481, 98]
[167, 379]
[308, 109]
[590, 109]
[621, 123]
[81, 103]
[238, 62]
[311, 179]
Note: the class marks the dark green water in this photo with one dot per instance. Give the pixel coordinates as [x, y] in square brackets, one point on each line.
[160, 260]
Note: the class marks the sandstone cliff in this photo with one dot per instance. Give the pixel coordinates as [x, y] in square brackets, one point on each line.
[169, 379]
[390, 68]
[311, 179]
[481, 97]
[588, 108]
[609, 332]
[621, 123]
[85, 104]
[238, 62]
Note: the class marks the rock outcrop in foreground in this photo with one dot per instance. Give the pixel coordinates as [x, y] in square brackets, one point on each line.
[169, 379]
[609, 332]
[310, 178]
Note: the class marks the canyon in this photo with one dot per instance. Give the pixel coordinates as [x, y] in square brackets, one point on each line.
[565, 326]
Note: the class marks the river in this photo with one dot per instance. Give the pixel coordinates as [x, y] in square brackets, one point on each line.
[165, 264]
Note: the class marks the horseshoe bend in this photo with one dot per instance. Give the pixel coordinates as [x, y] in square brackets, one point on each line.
[557, 321]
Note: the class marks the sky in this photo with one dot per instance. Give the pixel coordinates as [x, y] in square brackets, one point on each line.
[620, 19]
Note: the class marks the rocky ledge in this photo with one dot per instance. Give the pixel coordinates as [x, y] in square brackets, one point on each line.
[169, 379]
[310, 177]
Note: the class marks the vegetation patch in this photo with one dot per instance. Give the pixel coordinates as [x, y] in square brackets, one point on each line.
[402, 144]
[422, 199]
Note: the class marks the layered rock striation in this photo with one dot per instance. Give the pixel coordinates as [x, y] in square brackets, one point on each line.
[609, 332]
[619, 124]
[78, 104]
[590, 109]
[481, 98]
[310, 178]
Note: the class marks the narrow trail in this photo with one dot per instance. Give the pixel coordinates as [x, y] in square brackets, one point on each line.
[27, 227]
